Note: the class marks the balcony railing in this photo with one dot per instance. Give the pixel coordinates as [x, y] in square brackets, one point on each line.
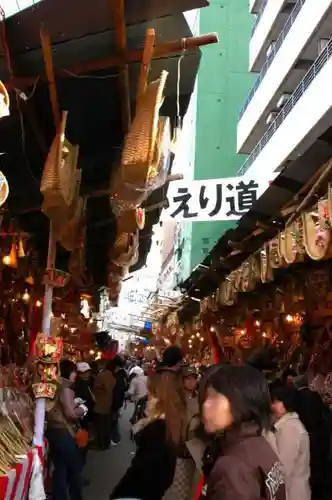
[321, 60]
[289, 23]
[259, 15]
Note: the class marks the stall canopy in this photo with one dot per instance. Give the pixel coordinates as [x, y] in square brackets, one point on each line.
[92, 42]
[262, 222]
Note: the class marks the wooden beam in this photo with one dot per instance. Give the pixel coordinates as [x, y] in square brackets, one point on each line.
[49, 70]
[146, 62]
[119, 22]
[163, 50]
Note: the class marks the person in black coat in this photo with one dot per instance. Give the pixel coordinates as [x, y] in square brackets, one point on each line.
[119, 395]
[152, 469]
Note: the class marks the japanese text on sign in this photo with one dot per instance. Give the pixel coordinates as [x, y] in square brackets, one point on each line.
[216, 199]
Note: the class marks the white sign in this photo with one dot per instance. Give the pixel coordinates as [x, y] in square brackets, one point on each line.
[213, 199]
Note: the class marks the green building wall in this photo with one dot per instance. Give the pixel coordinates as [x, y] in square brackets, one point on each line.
[222, 86]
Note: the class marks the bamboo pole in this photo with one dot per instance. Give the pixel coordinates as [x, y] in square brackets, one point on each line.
[49, 70]
[146, 62]
[121, 48]
[160, 51]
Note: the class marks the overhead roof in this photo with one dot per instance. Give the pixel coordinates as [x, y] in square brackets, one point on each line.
[82, 32]
[265, 213]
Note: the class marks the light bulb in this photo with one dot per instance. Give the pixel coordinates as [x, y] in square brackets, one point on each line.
[198, 335]
[26, 296]
[212, 329]
[257, 323]
[6, 260]
[38, 303]
[289, 318]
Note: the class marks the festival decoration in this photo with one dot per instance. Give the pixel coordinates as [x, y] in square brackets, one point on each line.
[48, 352]
[4, 188]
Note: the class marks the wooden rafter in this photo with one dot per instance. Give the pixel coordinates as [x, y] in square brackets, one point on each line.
[146, 62]
[121, 48]
[132, 56]
[49, 70]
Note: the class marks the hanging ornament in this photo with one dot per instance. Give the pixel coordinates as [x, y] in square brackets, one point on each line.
[4, 189]
[4, 101]
[11, 259]
[30, 280]
[21, 252]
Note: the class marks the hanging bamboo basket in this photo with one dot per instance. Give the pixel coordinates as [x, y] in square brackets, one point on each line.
[67, 232]
[317, 231]
[142, 150]
[266, 268]
[126, 250]
[58, 184]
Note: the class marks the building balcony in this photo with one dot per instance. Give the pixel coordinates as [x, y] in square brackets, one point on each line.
[255, 6]
[295, 49]
[306, 115]
[269, 23]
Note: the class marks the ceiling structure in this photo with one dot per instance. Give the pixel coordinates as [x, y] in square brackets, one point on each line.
[96, 52]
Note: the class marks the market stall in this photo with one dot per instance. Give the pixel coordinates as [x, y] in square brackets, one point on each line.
[265, 298]
[88, 115]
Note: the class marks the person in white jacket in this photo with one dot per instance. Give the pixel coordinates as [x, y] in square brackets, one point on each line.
[292, 443]
[138, 388]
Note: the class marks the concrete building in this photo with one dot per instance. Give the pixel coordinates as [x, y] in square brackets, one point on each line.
[289, 107]
[208, 145]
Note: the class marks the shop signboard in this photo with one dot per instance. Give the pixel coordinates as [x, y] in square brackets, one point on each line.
[213, 199]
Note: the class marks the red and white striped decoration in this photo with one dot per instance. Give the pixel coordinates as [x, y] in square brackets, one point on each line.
[15, 485]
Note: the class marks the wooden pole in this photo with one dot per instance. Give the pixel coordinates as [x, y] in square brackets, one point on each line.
[121, 48]
[160, 51]
[146, 62]
[48, 62]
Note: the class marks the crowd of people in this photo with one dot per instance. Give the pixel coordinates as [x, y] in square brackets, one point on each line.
[247, 438]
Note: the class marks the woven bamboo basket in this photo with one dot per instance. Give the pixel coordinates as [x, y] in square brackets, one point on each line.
[142, 150]
[58, 184]
[266, 268]
[125, 250]
[67, 232]
[317, 232]
[291, 242]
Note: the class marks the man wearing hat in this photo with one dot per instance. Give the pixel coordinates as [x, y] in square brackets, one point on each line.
[82, 391]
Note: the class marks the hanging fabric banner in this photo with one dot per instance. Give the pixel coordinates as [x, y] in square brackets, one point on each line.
[213, 199]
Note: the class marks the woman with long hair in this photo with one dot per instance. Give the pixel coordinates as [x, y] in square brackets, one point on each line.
[186, 425]
[237, 408]
[152, 469]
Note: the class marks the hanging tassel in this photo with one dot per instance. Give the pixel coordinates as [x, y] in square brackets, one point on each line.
[21, 252]
[176, 134]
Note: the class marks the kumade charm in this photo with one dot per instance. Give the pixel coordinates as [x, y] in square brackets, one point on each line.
[48, 352]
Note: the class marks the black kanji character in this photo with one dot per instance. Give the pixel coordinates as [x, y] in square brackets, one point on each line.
[246, 197]
[218, 204]
[183, 198]
[203, 200]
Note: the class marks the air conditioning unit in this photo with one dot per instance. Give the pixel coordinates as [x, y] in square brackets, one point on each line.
[283, 99]
[272, 116]
[270, 49]
[322, 44]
